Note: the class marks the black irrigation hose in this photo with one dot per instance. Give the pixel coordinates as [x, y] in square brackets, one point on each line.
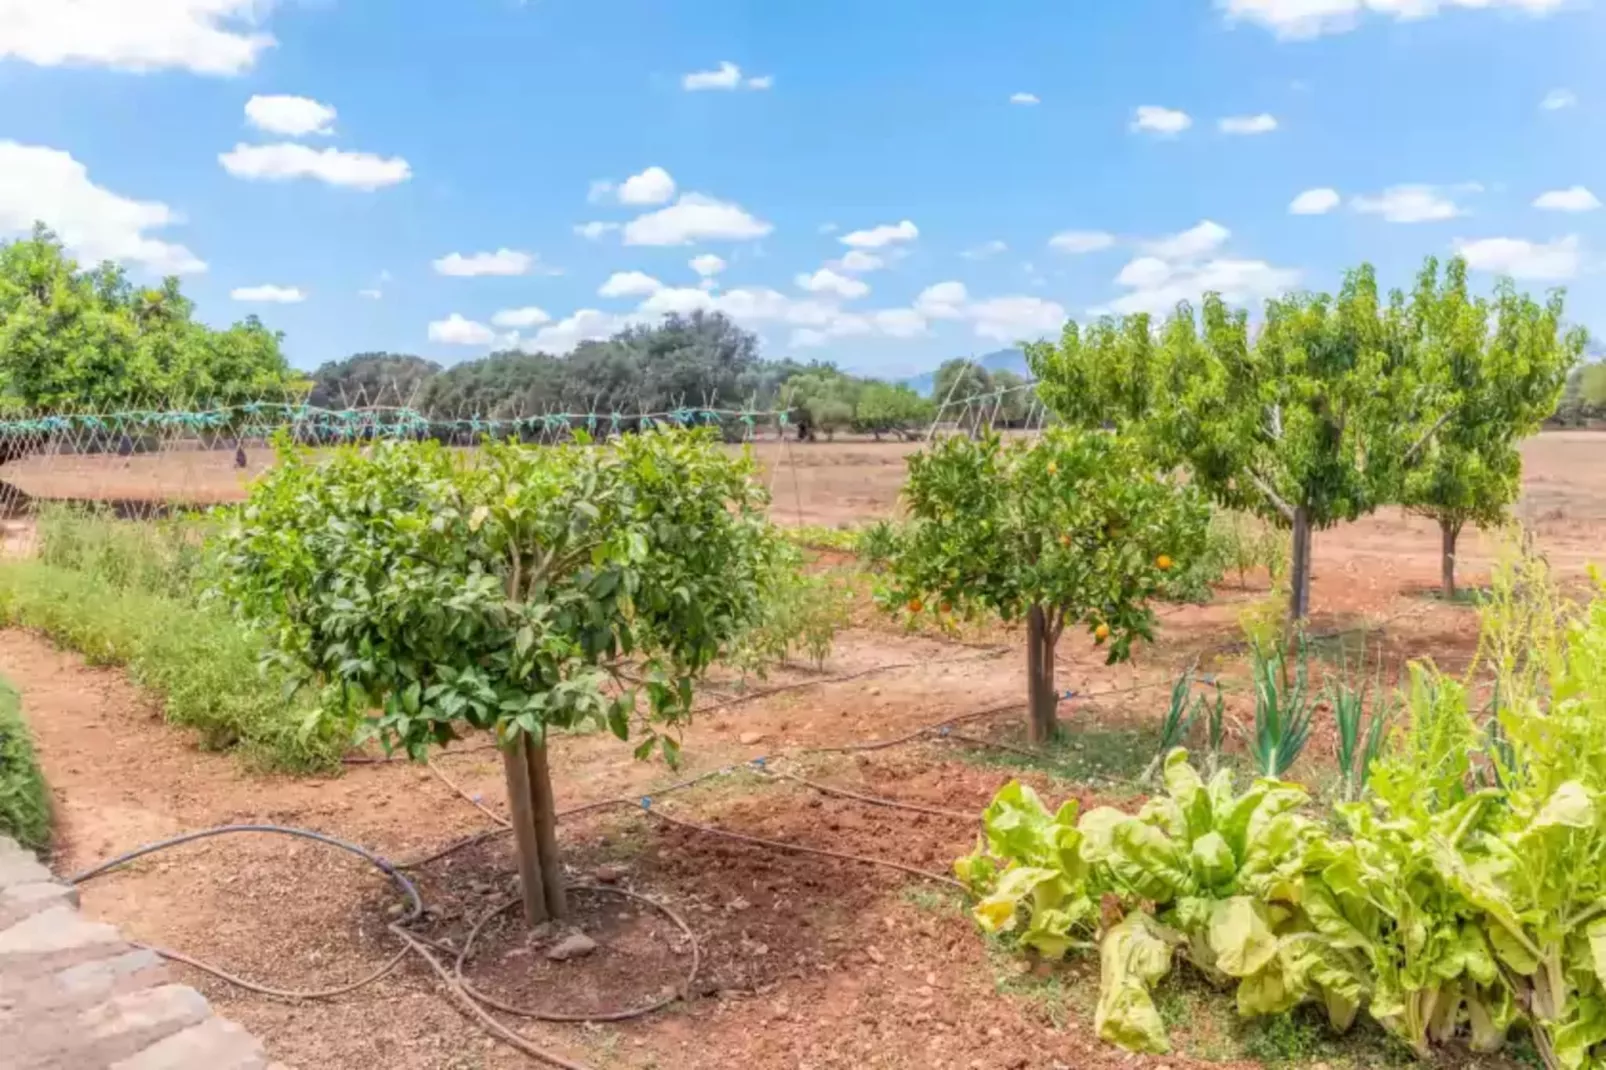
[559, 1016]
[401, 880]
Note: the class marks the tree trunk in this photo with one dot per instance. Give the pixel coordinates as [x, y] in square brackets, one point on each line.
[529, 793]
[1450, 532]
[1299, 577]
[1042, 702]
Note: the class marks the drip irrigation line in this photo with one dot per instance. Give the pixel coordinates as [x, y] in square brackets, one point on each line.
[754, 696]
[472, 801]
[407, 887]
[797, 848]
[891, 804]
[558, 1016]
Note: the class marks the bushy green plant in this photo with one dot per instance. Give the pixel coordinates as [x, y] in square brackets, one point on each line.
[166, 556]
[802, 612]
[196, 659]
[1284, 707]
[25, 813]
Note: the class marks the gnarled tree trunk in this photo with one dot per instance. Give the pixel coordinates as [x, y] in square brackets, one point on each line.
[535, 829]
[1449, 531]
[1041, 699]
[1299, 569]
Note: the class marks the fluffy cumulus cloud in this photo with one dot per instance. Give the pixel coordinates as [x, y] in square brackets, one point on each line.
[826, 281]
[880, 237]
[652, 186]
[943, 301]
[707, 265]
[291, 116]
[1408, 204]
[1081, 241]
[454, 330]
[695, 217]
[1557, 99]
[586, 325]
[520, 318]
[92, 221]
[1027, 99]
[217, 37]
[1010, 318]
[1572, 199]
[595, 230]
[1166, 122]
[1317, 201]
[270, 294]
[501, 262]
[986, 250]
[1182, 267]
[1549, 261]
[858, 262]
[726, 76]
[287, 160]
[629, 284]
[1248, 124]
[1296, 19]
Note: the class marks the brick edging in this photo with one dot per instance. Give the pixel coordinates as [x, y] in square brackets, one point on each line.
[74, 995]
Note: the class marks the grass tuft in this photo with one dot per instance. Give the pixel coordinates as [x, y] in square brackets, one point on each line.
[24, 797]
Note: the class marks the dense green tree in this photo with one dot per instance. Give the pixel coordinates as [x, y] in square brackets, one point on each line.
[372, 379]
[1505, 363]
[81, 339]
[1312, 422]
[890, 408]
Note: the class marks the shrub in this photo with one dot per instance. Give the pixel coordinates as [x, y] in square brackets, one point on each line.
[24, 797]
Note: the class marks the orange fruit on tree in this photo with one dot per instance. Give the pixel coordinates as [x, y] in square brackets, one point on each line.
[915, 605]
[1065, 541]
[1102, 632]
[1164, 562]
[946, 607]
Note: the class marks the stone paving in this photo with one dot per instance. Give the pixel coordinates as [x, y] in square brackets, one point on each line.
[74, 995]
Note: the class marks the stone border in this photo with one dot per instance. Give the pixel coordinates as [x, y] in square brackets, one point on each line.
[74, 995]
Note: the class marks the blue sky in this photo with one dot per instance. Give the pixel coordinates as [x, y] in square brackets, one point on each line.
[882, 183]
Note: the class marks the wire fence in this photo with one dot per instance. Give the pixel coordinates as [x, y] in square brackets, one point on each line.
[151, 459]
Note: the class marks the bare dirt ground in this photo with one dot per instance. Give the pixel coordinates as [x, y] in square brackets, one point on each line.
[808, 962]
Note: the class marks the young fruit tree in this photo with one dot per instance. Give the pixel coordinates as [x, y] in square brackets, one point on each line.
[1504, 379]
[515, 590]
[1071, 529]
[1308, 423]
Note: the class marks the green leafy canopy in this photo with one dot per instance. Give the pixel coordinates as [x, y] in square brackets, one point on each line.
[507, 590]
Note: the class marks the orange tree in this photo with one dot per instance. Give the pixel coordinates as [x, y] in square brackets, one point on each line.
[515, 591]
[1071, 529]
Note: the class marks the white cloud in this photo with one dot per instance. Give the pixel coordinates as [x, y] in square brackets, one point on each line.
[858, 261]
[454, 330]
[1182, 267]
[586, 325]
[1521, 259]
[882, 236]
[899, 322]
[629, 284]
[1317, 201]
[373, 294]
[285, 161]
[203, 36]
[706, 265]
[1024, 98]
[1248, 124]
[501, 262]
[1081, 241]
[1158, 286]
[1572, 199]
[520, 317]
[985, 250]
[38, 183]
[1192, 243]
[291, 116]
[943, 301]
[280, 295]
[826, 281]
[1011, 319]
[1163, 121]
[594, 230]
[652, 186]
[1408, 204]
[726, 76]
[1557, 99]
[1296, 19]
[695, 217]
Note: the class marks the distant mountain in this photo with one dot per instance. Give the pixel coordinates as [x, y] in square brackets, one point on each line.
[1001, 360]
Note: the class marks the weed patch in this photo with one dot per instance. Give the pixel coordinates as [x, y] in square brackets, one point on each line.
[24, 798]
